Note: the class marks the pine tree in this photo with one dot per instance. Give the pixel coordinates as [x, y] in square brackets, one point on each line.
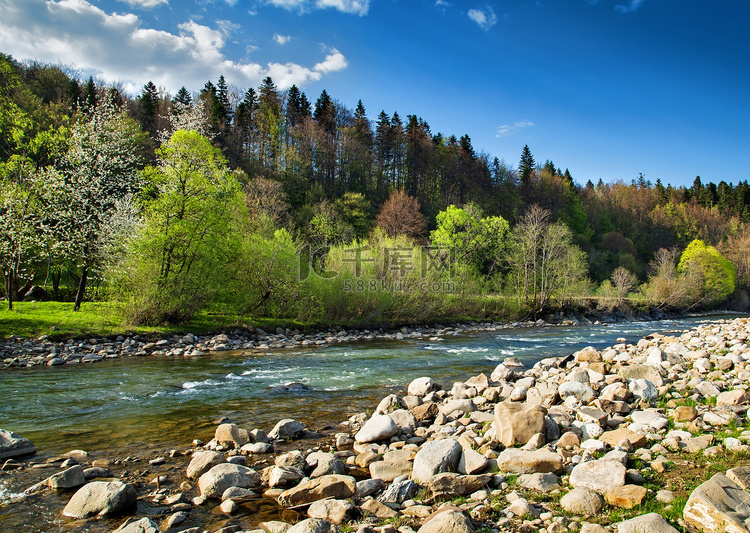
[149, 106]
[526, 165]
[183, 97]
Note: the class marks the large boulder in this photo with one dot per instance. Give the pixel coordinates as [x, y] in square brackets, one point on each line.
[100, 498]
[529, 462]
[231, 435]
[324, 464]
[379, 427]
[334, 486]
[13, 445]
[581, 391]
[202, 462]
[582, 501]
[516, 423]
[436, 457]
[213, 483]
[67, 479]
[287, 429]
[600, 476]
[718, 504]
[421, 387]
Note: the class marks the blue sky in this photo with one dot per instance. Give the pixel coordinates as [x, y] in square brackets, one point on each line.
[606, 88]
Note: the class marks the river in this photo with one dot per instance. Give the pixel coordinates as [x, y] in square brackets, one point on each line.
[160, 401]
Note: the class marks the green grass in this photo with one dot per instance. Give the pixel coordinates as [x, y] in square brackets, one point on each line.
[97, 319]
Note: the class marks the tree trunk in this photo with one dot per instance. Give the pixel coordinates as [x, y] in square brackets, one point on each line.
[9, 288]
[81, 289]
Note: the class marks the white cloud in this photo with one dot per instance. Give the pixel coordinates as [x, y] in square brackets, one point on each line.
[631, 6]
[485, 18]
[231, 3]
[506, 130]
[442, 3]
[145, 3]
[281, 39]
[353, 7]
[116, 48]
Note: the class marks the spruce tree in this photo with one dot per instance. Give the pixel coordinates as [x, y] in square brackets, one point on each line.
[526, 165]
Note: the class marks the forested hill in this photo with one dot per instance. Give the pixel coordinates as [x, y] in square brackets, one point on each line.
[323, 171]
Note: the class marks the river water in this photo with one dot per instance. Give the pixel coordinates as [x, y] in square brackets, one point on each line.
[160, 401]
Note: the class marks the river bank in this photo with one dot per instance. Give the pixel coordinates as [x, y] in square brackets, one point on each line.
[21, 352]
[604, 435]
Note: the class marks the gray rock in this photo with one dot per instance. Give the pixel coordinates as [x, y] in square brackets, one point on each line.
[13, 445]
[282, 476]
[367, 487]
[388, 404]
[67, 479]
[213, 483]
[543, 482]
[582, 501]
[461, 406]
[647, 372]
[643, 389]
[334, 486]
[436, 457]
[529, 462]
[335, 511]
[448, 521]
[388, 471]
[287, 429]
[581, 391]
[379, 427]
[100, 498]
[133, 525]
[421, 387]
[202, 462]
[323, 464]
[651, 522]
[599, 476]
[472, 462]
[404, 419]
[399, 491]
[452, 485]
[718, 504]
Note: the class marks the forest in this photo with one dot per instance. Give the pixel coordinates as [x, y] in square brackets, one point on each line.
[261, 202]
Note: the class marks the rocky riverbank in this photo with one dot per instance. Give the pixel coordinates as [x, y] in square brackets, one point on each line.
[650, 437]
[17, 352]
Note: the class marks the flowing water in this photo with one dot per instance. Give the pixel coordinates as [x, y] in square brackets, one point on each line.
[127, 406]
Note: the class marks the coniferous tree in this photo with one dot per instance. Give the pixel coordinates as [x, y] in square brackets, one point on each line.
[526, 166]
[183, 97]
[149, 105]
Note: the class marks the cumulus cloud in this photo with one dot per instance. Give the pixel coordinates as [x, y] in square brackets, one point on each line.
[506, 130]
[353, 7]
[486, 18]
[631, 6]
[145, 3]
[116, 48]
[281, 39]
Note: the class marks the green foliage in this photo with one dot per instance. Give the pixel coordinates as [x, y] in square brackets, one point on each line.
[716, 273]
[187, 250]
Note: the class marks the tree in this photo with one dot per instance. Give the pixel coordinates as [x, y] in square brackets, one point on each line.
[85, 192]
[400, 215]
[190, 240]
[716, 273]
[149, 108]
[526, 165]
[267, 205]
[624, 281]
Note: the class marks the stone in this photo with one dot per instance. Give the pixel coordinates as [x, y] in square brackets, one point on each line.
[461, 406]
[580, 391]
[518, 461]
[421, 387]
[582, 501]
[273, 526]
[333, 486]
[378, 427]
[543, 482]
[599, 476]
[648, 372]
[388, 404]
[651, 522]
[314, 525]
[323, 464]
[67, 479]
[643, 389]
[287, 429]
[335, 511]
[231, 435]
[202, 462]
[425, 411]
[685, 413]
[399, 491]
[732, 397]
[516, 423]
[364, 459]
[740, 475]
[718, 504]
[13, 445]
[213, 483]
[452, 485]
[100, 498]
[404, 420]
[282, 476]
[626, 497]
[133, 525]
[436, 457]
[447, 521]
[238, 494]
[388, 471]
[377, 509]
[367, 487]
[613, 438]
[228, 507]
[472, 462]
